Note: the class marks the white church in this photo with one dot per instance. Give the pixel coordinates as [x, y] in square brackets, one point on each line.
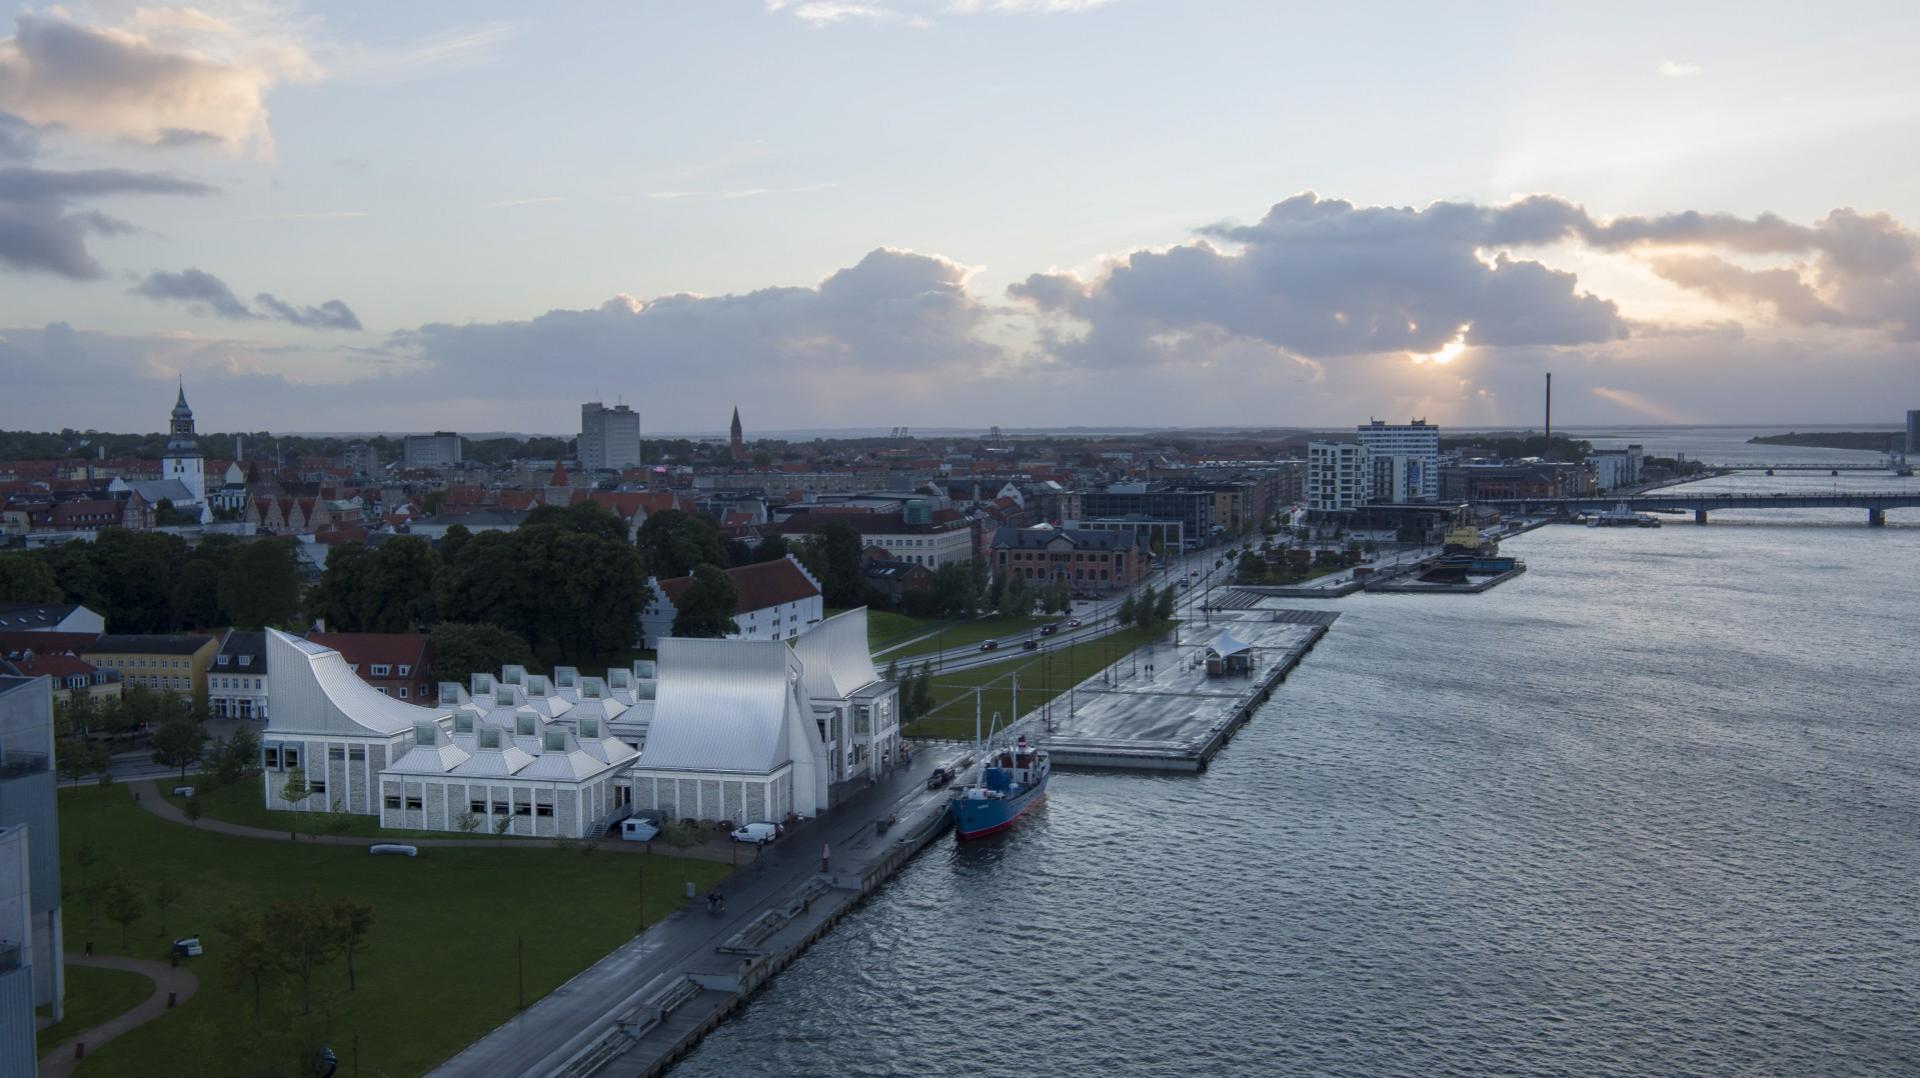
[183, 471]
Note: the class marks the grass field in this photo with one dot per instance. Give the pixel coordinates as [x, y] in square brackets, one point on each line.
[241, 803]
[438, 968]
[93, 996]
[1008, 630]
[1043, 676]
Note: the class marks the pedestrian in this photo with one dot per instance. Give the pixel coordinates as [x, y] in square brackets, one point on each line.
[89, 948]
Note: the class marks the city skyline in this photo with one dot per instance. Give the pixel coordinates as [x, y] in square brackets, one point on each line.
[1030, 213]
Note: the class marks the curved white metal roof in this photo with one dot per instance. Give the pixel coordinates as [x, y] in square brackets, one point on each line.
[724, 705]
[836, 656]
[311, 690]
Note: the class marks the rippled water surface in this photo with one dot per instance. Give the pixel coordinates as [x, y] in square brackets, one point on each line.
[1651, 808]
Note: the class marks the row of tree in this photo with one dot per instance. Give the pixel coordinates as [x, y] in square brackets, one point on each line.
[152, 582]
[1147, 609]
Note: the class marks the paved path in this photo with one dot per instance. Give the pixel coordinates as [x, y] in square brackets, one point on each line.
[148, 797]
[60, 1062]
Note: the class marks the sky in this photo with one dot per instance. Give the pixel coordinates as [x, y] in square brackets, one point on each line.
[951, 213]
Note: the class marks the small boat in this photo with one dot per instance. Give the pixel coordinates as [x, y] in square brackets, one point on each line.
[1009, 780]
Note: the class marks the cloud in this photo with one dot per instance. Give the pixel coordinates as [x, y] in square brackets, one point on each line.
[160, 80]
[829, 12]
[41, 233]
[332, 314]
[209, 295]
[448, 50]
[202, 291]
[1024, 7]
[19, 140]
[737, 193]
[1678, 69]
[525, 201]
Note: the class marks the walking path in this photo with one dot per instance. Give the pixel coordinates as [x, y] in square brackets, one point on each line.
[60, 1061]
[147, 795]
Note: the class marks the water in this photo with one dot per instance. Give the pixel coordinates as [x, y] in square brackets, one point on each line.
[1651, 808]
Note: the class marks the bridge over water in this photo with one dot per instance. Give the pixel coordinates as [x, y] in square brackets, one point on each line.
[1888, 465]
[1875, 503]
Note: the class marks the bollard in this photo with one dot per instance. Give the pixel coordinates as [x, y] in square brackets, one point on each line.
[689, 888]
[79, 1049]
[172, 998]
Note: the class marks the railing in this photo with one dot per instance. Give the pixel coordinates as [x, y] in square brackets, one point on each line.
[15, 764]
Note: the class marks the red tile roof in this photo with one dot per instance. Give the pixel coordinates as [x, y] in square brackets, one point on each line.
[60, 666]
[760, 586]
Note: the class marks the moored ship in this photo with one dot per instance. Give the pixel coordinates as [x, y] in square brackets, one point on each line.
[1009, 782]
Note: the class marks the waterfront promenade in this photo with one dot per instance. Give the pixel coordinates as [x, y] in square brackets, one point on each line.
[639, 1007]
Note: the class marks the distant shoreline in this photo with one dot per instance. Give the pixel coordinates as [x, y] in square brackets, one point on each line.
[1876, 441]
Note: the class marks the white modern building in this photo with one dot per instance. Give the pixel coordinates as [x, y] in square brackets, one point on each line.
[441, 449]
[609, 437]
[1339, 476]
[776, 600]
[858, 713]
[1616, 468]
[1405, 459]
[32, 973]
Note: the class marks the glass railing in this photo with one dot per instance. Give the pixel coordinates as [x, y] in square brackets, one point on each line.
[16, 764]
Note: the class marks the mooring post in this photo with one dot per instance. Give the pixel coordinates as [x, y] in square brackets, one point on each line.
[1699, 516]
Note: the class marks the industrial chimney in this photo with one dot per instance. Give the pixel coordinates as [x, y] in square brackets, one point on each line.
[1549, 451]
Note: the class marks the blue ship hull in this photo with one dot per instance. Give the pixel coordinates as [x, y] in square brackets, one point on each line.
[977, 818]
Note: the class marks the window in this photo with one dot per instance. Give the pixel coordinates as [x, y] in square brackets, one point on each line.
[414, 802]
[403, 692]
[224, 658]
[523, 809]
[381, 689]
[499, 808]
[406, 670]
[543, 809]
[270, 758]
[336, 752]
[318, 786]
[290, 756]
[356, 752]
[393, 801]
[246, 660]
[378, 669]
[478, 808]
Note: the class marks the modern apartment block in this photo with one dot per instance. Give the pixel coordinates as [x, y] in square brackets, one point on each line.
[1406, 459]
[1339, 476]
[441, 449]
[609, 437]
[1913, 433]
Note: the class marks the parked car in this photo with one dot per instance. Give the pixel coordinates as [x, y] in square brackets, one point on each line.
[395, 848]
[634, 829]
[939, 778]
[183, 791]
[1029, 645]
[989, 645]
[1049, 628]
[1073, 623]
[757, 833]
[188, 947]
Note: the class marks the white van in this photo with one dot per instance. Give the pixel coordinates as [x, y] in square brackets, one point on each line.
[635, 829]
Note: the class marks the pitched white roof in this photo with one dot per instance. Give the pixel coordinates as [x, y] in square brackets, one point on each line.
[724, 705]
[836, 656]
[1227, 644]
[311, 690]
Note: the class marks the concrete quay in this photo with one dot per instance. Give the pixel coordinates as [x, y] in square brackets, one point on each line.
[1177, 717]
[651, 1000]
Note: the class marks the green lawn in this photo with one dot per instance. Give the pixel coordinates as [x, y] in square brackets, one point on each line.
[438, 969]
[1043, 675]
[1008, 630]
[93, 996]
[241, 803]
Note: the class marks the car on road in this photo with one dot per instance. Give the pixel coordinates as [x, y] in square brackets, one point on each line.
[1049, 628]
[757, 833]
[1073, 623]
[1030, 645]
[634, 829]
[939, 778]
[989, 645]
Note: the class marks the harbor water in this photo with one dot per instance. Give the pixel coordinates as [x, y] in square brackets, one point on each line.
[1651, 808]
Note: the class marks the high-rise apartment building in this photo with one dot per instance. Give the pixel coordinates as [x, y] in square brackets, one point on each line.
[1339, 476]
[1913, 433]
[1413, 450]
[609, 437]
[441, 449]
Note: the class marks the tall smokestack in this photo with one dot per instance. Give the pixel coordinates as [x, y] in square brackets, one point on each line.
[1549, 453]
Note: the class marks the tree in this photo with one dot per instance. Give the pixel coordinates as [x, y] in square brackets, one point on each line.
[706, 608]
[351, 921]
[467, 822]
[905, 682]
[481, 584]
[672, 542]
[164, 893]
[954, 591]
[1143, 611]
[460, 651]
[238, 758]
[923, 690]
[772, 548]
[398, 595]
[251, 957]
[451, 541]
[585, 517]
[86, 856]
[261, 586]
[308, 936]
[179, 743]
[27, 579]
[74, 759]
[845, 578]
[1127, 612]
[339, 599]
[295, 790]
[1163, 610]
[122, 903]
[196, 596]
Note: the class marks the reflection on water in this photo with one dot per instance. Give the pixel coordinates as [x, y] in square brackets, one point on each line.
[1650, 808]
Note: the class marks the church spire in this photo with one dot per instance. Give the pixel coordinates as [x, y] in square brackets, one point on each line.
[733, 440]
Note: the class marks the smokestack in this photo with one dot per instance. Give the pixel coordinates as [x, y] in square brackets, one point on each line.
[1549, 452]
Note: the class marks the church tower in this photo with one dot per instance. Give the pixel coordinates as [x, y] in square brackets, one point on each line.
[183, 460]
[734, 441]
